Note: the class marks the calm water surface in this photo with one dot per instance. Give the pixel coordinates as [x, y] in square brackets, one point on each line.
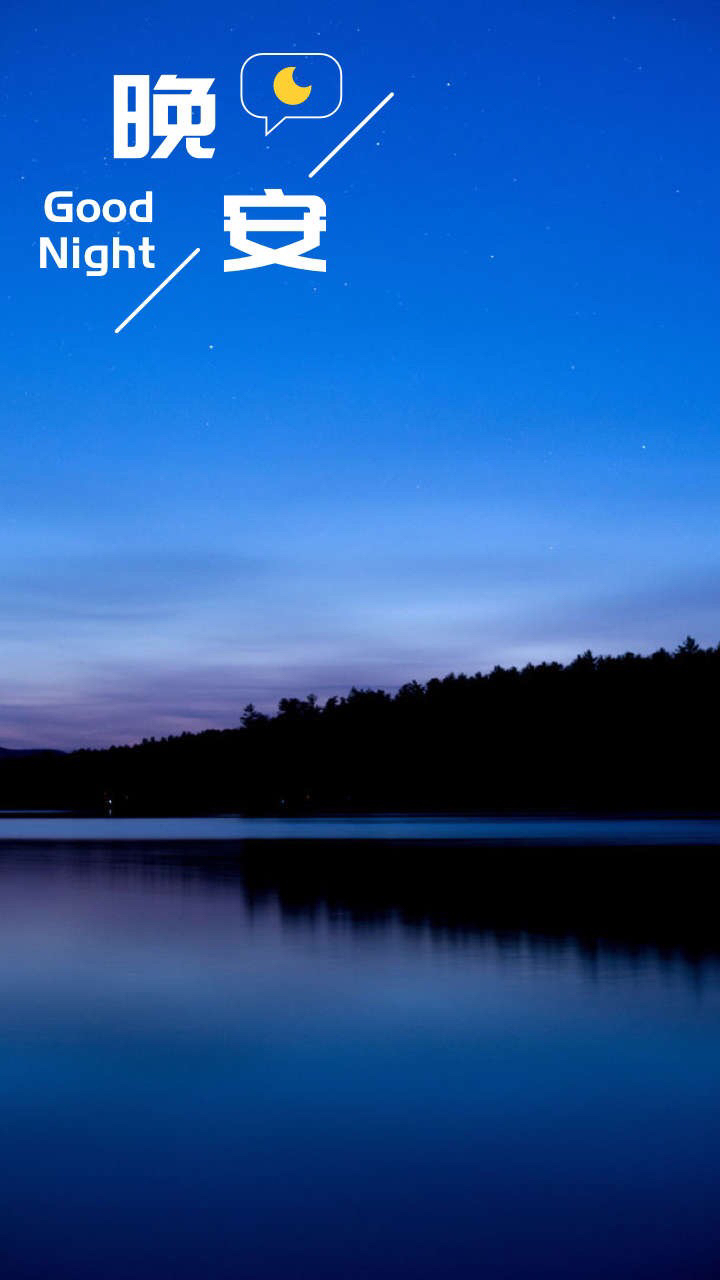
[197, 1080]
[660, 831]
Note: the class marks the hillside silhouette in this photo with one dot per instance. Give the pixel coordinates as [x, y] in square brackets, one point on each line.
[600, 734]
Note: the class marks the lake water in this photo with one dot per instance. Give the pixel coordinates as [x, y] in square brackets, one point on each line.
[208, 1070]
[562, 830]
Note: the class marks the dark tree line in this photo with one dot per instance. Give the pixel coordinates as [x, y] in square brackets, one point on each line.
[599, 734]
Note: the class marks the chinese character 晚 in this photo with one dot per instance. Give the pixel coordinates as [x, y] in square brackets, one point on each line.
[183, 110]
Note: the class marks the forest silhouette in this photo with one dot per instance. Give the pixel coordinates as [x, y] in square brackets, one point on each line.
[629, 733]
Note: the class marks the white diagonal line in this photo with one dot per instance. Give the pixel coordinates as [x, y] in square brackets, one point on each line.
[352, 133]
[155, 292]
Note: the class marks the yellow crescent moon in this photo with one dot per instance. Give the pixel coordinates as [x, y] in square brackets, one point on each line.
[287, 90]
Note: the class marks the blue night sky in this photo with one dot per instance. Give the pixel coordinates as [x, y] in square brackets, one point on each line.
[487, 434]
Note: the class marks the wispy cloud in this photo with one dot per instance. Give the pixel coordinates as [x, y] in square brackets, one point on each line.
[107, 648]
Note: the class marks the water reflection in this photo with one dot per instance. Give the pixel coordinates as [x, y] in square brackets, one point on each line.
[620, 898]
[271, 1061]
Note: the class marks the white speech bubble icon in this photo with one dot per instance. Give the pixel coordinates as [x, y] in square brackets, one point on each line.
[285, 90]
